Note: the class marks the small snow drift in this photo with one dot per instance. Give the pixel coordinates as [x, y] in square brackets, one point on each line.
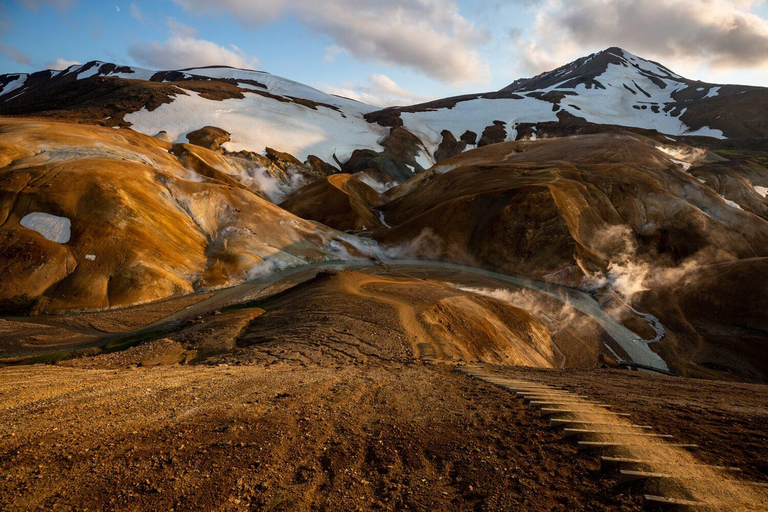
[51, 227]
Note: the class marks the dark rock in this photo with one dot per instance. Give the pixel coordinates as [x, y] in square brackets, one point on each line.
[449, 146]
[493, 134]
[320, 166]
[469, 137]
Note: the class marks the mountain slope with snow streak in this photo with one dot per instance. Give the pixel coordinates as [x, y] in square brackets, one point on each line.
[612, 88]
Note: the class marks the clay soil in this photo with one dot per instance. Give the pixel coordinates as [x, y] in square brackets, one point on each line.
[370, 436]
[386, 436]
[335, 413]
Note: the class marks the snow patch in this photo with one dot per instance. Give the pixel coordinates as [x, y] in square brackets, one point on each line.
[684, 156]
[475, 115]
[730, 203]
[444, 168]
[13, 85]
[90, 257]
[763, 191]
[51, 227]
[283, 87]
[376, 185]
[88, 73]
[424, 160]
[382, 219]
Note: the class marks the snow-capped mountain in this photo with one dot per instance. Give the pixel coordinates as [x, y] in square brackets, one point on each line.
[612, 87]
[260, 110]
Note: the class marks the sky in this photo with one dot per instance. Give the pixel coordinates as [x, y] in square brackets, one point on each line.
[389, 52]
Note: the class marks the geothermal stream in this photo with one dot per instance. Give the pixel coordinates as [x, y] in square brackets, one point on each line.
[637, 349]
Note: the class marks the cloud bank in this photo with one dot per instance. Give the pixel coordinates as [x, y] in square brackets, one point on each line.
[378, 90]
[184, 50]
[12, 53]
[426, 35]
[60, 64]
[723, 34]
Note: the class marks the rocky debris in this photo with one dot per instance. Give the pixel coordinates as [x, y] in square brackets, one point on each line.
[282, 160]
[161, 352]
[567, 125]
[208, 137]
[403, 145]
[376, 165]
[396, 163]
[290, 167]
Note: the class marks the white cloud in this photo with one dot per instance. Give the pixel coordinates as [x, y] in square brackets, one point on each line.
[188, 52]
[331, 52]
[379, 90]
[719, 33]
[183, 50]
[11, 52]
[178, 29]
[60, 64]
[427, 35]
[136, 12]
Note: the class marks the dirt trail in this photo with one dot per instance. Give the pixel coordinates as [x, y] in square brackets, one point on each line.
[421, 342]
[357, 437]
[639, 352]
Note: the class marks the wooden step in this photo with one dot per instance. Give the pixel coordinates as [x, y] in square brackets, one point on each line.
[531, 398]
[608, 462]
[651, 502]
[561, 422]
[597, 445]
[627, 476]
[570, 432]
[568, 403]
[545, 411]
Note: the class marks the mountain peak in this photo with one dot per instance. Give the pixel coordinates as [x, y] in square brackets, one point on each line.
[614, 50]
[586, 70]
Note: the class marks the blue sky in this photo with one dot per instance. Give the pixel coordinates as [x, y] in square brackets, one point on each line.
[392, 51]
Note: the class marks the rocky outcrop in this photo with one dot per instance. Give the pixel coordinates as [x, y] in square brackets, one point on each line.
[493, 134]
[320, 166]
[208, 137]
[340, 201]
[449, 146]
[397, 162]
